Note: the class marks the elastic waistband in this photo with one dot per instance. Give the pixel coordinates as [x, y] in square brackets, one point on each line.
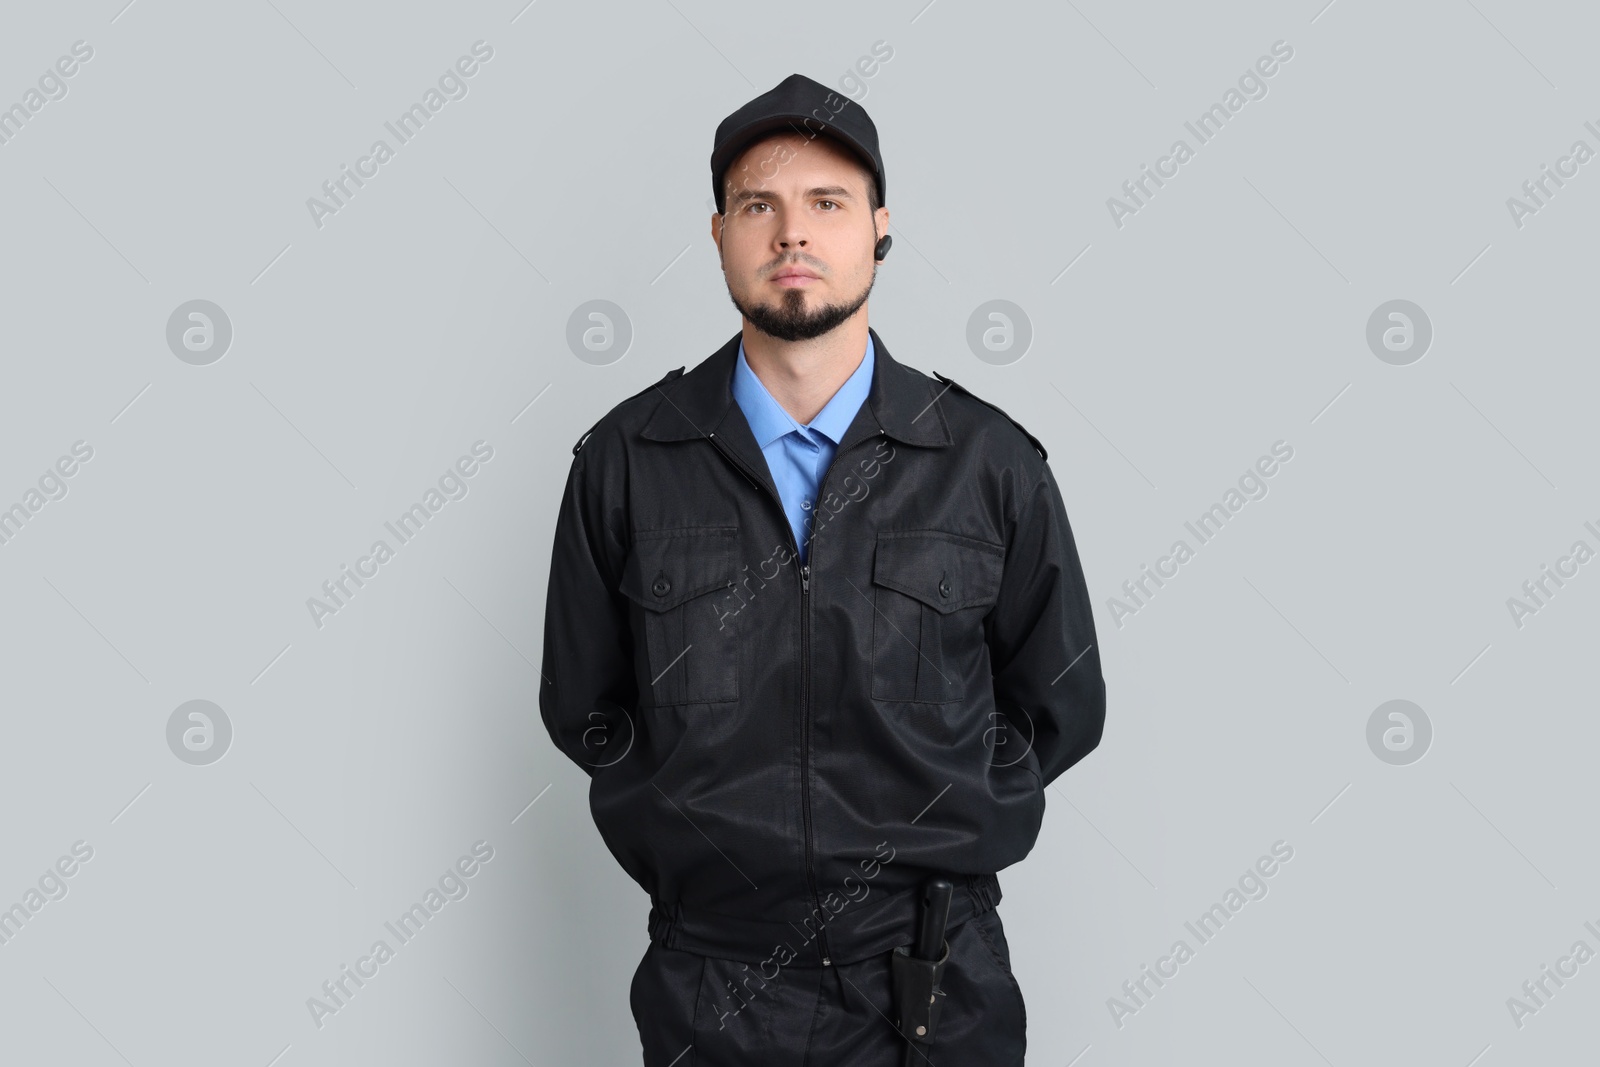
[854, 931]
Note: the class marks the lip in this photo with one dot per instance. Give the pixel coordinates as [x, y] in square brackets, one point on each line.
[794, 276]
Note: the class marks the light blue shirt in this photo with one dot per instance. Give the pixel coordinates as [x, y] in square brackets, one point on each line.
[798, 456]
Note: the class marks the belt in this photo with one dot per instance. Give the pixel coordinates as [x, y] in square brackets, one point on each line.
[855, 932]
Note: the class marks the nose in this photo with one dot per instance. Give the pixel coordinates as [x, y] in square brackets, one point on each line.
[792, 232]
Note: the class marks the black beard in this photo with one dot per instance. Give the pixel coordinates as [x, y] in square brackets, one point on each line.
[790, 321]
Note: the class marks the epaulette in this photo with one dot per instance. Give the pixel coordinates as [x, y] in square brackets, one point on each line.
[963, 389]
[671, 374]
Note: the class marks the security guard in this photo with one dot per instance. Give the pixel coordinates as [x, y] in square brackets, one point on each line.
[817, 631]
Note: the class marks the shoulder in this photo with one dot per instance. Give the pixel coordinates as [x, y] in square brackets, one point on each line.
[972, 413]
[635, 409]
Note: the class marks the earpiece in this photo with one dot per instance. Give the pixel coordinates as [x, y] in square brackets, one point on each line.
[881, 249]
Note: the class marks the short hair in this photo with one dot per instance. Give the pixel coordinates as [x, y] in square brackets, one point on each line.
[873, 203]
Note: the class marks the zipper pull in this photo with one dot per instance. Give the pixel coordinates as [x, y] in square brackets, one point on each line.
[805, 577]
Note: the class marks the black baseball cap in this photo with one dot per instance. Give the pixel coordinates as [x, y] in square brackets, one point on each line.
[807, 108]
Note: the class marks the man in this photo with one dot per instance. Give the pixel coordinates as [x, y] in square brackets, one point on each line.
[818, 632]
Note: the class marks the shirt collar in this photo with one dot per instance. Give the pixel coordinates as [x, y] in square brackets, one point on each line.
[902, 403]
[769, 421]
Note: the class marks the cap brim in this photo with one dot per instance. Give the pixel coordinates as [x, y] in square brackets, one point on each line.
[741, 139]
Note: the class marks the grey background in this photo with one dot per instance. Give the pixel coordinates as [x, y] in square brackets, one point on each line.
[367, 355]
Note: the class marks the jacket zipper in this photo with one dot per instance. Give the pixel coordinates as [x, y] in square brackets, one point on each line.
[805, 732]
[805, 659]
[805, 672]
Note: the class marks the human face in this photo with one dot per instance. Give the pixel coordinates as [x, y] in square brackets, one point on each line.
[796, 240]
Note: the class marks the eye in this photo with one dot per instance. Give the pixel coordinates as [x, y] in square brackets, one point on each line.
[755, 205]
[835, 203]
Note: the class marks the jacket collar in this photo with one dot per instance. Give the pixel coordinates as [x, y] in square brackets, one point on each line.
[900, 404]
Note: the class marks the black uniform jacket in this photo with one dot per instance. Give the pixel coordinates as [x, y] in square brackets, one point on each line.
[772, 745]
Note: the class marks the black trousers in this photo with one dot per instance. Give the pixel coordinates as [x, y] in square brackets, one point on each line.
[701, 1011]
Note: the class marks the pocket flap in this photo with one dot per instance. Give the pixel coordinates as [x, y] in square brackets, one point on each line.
[667, 567]
[945, 571]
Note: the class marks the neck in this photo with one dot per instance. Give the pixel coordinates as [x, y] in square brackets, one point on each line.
[802, 376]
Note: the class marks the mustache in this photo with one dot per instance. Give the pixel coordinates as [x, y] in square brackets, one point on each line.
[809, 264]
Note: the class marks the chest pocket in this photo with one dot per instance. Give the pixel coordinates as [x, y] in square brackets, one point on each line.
[930, 593]
[681, 578]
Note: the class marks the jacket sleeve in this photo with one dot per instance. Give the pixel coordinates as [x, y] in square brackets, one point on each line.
[587, 688]
[1042, 647]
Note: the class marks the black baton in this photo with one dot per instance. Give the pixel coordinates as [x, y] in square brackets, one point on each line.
[916, 971]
